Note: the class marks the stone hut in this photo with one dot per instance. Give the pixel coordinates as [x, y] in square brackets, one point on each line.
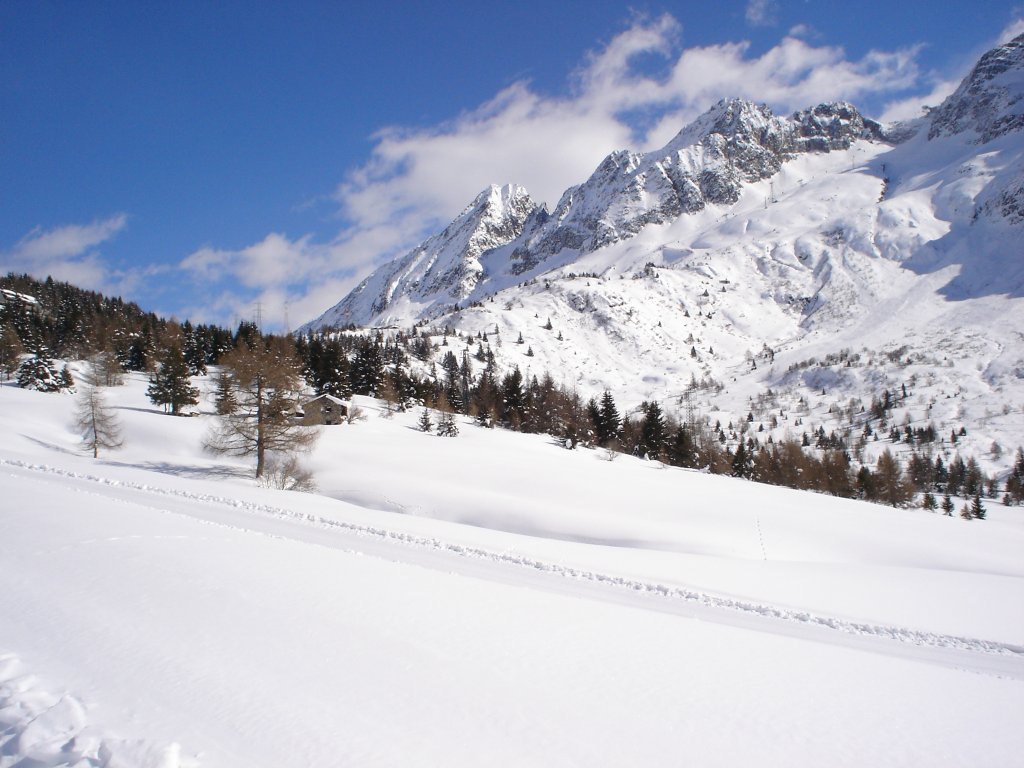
[324, 409]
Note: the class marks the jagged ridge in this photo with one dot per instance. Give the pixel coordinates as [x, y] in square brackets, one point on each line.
[446, 267]
[990, 100]
[707, 163]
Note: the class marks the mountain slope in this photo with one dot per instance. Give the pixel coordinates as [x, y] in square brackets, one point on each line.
[753, 247]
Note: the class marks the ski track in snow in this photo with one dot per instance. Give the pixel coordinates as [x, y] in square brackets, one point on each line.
[978, 655]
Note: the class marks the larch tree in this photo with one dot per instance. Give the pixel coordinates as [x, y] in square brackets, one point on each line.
[96, 422]
[266, 379]
[10, 351]
[893, 487]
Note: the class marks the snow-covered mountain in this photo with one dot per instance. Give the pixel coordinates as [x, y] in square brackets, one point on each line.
[708, 163]
[750, 250]
[445, 268]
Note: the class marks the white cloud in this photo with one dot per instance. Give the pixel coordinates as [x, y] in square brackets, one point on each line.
[68, 253]
[914, 106]
[275, 260]
[761, 13]
[290, 281]
[44, 246]
[1013, 29]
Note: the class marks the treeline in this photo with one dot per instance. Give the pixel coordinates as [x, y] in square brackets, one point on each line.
[382, 365]
[72, 323]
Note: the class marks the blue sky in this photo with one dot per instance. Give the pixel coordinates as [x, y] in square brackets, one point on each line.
[200, 157]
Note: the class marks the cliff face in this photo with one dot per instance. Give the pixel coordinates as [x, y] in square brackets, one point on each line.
[990, 100]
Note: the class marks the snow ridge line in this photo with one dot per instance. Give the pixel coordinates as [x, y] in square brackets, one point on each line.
[897, 634]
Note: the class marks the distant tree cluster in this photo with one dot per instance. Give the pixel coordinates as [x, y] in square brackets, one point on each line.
[347, 363]
[72, 323]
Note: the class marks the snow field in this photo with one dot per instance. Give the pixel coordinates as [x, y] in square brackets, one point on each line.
[489, 598]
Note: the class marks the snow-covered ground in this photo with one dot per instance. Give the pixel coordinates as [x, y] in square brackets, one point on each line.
[489, 599]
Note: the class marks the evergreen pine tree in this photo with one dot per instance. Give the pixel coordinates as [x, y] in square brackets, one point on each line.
[512, 403]
[653, 434]
[425, 424]
[224, 394]
[947, 505]
[446, 426]
[682, 451]
[742, 464]
[977, 508]
[928, 502]
[170, 385]
[37, 372]
[608, 423]
[1015, 481]
[65, 382]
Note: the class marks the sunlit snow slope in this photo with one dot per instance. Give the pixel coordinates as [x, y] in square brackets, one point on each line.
[488, 599]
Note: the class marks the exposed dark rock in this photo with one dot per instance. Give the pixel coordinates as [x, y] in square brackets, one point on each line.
[990, 100]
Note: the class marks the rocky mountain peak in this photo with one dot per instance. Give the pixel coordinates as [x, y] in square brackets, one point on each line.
[726, 119]
[494, 218]
[989, 101]
[445, 268]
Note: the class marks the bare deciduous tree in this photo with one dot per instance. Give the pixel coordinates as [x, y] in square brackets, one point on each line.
[287, 474]
[96, 423]
[266, 381]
